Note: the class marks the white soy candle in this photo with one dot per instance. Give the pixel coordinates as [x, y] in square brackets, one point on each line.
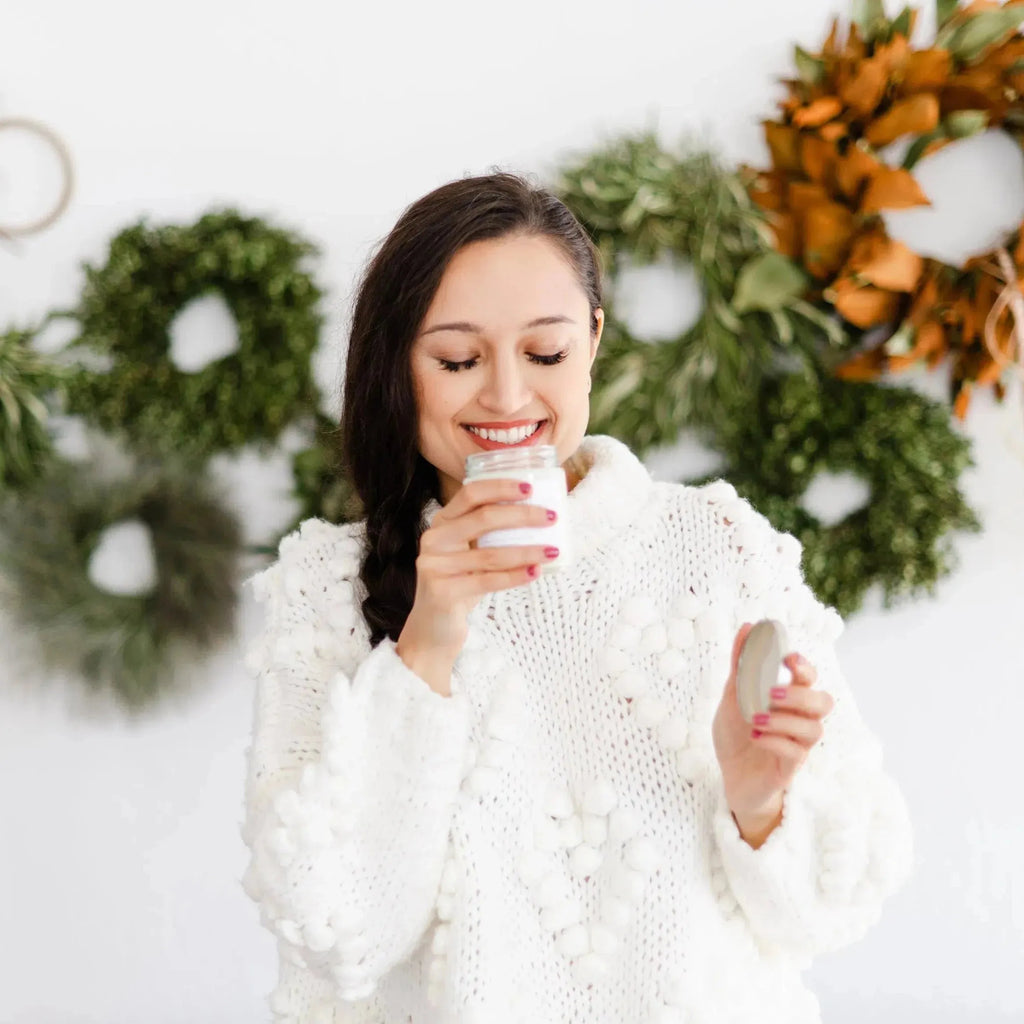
[538, 466]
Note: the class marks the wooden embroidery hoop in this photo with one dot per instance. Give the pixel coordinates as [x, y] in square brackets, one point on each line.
[10, 232]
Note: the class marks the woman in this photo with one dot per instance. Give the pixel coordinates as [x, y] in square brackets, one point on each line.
[481, 793]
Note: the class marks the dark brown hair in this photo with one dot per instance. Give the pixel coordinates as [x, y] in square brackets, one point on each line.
[379, 421]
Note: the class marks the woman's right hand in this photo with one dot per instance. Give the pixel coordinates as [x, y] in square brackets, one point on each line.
[452, 574]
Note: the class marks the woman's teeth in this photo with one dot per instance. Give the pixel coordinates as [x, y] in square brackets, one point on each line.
[506, 436]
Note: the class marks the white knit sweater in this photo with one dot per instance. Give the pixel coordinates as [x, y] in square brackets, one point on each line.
[552, 842]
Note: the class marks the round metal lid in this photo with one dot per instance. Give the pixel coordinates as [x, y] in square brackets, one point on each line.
[760, 666]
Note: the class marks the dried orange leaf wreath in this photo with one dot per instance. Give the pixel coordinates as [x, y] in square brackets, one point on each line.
[828, 184]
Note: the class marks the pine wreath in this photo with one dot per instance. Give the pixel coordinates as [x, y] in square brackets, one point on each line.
[128, 304]
[639, 201]
[127, 645]
[901, 443]
[829, 180]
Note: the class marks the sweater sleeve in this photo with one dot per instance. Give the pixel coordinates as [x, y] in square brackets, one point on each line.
[845, 841]
[352, 777]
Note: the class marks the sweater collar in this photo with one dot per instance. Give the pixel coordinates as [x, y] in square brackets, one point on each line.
[614, 489]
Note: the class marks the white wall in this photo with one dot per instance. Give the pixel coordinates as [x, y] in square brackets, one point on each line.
[119, 847]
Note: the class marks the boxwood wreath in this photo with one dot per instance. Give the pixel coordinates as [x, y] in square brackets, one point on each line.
[126, 645]
[128, 304]
[829, 180]
[896, 440]
[726, 377]
[640, 201]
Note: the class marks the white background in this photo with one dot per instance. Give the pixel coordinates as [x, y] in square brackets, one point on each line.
[120, 857]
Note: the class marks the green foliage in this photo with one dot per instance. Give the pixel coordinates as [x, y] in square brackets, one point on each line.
[128, 304]
[26, 378]
[639, 201]
[899, 442]
[126, 645]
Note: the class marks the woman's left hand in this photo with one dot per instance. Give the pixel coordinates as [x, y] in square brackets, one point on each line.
[757, 770]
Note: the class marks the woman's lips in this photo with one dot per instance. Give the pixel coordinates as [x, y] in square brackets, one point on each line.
[491, 446]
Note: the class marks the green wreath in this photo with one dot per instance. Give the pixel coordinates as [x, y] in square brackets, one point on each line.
[638, 200]
[125, 644]
[898, 441]
[127, 307]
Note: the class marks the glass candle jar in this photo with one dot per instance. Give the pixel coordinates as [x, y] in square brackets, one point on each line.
[538, 465]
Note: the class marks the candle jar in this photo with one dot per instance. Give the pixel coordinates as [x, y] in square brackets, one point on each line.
[538, 466]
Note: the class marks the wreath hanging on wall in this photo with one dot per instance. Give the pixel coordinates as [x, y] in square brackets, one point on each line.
[829, 183]
[896, 440]
[126, 644]
[128, 305]
[726, 376]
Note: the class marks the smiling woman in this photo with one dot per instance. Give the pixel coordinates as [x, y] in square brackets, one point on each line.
[491, 381]
[482, 791]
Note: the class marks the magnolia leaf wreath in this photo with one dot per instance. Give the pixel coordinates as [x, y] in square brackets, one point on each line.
[638, 201]
[829, 183]
[721, 374]
[899, 442]
[127, 307]
[26, 379]
[126, 644]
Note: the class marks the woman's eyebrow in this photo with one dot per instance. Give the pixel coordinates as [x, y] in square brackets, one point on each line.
[462, 325]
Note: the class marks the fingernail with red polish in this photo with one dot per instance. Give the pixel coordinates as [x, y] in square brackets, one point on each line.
[525, 488]
[755, 733]
[761, 719]
[778, 693]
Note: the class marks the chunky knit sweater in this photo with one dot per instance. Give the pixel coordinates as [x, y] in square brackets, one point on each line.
[552, 843]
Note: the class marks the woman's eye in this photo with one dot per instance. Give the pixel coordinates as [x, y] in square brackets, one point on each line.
[468, 364]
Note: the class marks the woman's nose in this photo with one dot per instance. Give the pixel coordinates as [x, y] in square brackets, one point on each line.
[506, 390]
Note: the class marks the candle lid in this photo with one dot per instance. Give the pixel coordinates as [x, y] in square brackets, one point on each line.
[760, 667]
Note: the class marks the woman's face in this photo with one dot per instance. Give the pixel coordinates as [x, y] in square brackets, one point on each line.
[482, 359]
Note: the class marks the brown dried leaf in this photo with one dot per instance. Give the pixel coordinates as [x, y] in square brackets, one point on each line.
[865, 306]
[925, 300]
[818, 112]
[1006, 54]
[865, 366]
[830, 47]
[784, 144]
[828, 229]
[893, 54]
[962, 400]
[885, 262]
[853, 169]
[833, 131]
[893, 188]
[964, 314]
[818, 157]
[926, 70]
[787, 236]
[914, 115]
[864, 92]
[802, 195]
[768, 189]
